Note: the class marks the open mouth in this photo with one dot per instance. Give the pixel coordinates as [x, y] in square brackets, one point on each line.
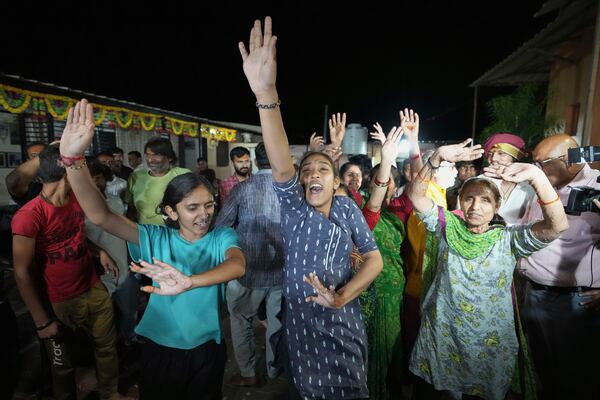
[202, 224]
[315, 188]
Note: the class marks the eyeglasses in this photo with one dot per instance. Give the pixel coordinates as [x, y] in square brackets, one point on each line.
[541, 163]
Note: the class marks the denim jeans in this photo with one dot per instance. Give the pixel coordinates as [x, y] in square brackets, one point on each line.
[563, 336]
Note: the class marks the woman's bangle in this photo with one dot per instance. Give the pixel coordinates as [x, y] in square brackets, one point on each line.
[431, 164]
[377, 182]
[268, 106]
[547, 203]
[47, 324]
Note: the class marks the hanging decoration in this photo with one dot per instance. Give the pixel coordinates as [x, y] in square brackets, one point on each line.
[17, 101]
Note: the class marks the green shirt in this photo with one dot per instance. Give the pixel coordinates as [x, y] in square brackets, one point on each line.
[145, 192]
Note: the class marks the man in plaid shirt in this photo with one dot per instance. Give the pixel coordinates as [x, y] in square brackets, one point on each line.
[240, 158]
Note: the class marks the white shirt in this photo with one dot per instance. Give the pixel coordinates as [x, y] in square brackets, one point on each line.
[519, 200]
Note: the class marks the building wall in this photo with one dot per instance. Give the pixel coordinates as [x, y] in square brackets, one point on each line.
[570, 73]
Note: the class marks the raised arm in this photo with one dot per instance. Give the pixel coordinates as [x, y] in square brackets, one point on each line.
[555, 220]
[389, 152]
[410, 125]
[260, 68]
[76, 138]
[452, 153]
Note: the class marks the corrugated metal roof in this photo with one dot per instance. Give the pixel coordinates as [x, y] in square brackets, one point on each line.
[531, 62]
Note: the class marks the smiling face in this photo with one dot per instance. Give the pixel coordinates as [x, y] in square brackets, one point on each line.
[499, 157]
[353, 177]
[158, 164]
[479, 203]
[319, 181]
[194, 213]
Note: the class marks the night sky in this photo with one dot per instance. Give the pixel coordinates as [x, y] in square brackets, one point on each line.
[368, 61]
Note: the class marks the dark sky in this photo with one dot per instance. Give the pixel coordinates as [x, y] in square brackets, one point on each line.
[368, 61]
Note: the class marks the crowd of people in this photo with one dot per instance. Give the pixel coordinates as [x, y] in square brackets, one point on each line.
[436, 277]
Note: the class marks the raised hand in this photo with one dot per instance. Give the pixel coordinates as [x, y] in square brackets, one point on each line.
[410, 123]
[79, 130]
[391, 146]
[378, 134]
[170, 280]
[260, 63]
[316, 142]
[459, 152]
[327, 297]
[515, 172]
[337, 129]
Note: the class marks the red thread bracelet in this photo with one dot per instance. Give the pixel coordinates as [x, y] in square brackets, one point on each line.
[415, 157]
[69, 161]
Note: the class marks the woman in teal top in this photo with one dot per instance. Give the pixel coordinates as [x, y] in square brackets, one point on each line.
[183, 356]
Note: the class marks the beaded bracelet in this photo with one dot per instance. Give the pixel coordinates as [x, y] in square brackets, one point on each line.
[547, 203]
[268, 106]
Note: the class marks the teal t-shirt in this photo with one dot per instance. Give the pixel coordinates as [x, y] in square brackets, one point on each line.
[189, 319]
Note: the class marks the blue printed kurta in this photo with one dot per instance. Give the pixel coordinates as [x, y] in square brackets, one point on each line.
[327, 348]
[467, 341]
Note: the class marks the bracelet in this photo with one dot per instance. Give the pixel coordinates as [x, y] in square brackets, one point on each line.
[68, 161]
[268, 106]
[76, 167]
[47, 324]
[547, 203]
[382, 184]
[431, 164]
[415, 157]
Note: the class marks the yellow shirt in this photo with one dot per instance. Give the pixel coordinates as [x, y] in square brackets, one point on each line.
[413, 248]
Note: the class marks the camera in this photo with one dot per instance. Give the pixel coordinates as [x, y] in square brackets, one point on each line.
[581, 198]
[580, 155]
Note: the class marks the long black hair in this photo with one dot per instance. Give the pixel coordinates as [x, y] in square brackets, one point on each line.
[179, 188]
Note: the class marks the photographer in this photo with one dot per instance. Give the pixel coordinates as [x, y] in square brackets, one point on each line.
[562, 301]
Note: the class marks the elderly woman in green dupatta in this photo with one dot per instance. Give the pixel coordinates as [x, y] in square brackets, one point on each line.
[467, 343]
[382, 302]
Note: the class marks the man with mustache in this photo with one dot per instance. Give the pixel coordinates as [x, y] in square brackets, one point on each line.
[240, 159]
[145, 188]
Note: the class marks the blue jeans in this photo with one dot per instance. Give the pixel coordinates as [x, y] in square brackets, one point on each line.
[564, 339]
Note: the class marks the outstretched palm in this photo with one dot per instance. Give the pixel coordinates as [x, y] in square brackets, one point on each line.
[410, 123]
[515, 172]
[337, 129]
[391, 146]
[79, 131]
[327, 297]
[260, 63]
[460, 152]
[170, 280]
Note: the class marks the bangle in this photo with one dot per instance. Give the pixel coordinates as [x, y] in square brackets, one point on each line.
[415, 157]
[382, 184]
[68, 161]
[47, 324]
[76, 167]
[268, 106]
[431, 164]
[547, 203]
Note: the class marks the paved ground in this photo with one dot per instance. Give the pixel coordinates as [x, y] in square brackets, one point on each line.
[31, 380]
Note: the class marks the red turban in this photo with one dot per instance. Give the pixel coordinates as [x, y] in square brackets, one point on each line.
[508, 143]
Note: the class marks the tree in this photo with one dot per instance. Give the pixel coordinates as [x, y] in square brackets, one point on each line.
[522, 113]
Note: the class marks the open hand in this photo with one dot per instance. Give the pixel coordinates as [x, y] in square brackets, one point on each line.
[327, 297]
[410, 123]
[337, 129]
[378, 134]
[79, 130]
[391, 146]
[260, 62]
[170, 280]
[515, 172]
[316, 142]
[459, 152]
